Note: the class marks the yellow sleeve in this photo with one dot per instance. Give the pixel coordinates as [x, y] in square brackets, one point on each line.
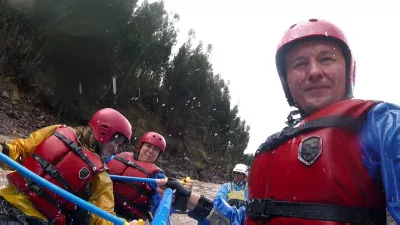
[19, 149]
[102, 196]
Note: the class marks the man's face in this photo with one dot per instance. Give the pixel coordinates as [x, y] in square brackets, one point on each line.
[316, 74]
[111, 147]
[238, 177]
[149, 153]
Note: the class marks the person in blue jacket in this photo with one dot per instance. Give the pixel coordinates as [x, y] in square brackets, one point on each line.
[337, 163]
[235, 192]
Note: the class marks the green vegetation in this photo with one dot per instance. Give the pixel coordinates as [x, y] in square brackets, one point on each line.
[58, 47]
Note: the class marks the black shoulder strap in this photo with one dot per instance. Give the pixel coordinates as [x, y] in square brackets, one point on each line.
[342, 122]
[53, 172]
[76, 149]
[132, 164]
[141, 208]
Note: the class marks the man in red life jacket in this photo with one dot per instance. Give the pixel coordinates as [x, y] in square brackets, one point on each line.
[136, 200]
[337, 164]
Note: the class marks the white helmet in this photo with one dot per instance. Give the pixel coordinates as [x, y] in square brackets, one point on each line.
[240, 168]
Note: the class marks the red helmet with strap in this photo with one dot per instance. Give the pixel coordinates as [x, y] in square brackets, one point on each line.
[153, 138]
[107, 122]
[317, 29]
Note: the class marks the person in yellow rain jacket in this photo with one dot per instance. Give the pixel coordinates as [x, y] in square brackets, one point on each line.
[71, 158]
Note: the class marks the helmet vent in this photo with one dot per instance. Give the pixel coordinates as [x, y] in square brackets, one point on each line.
[313, 20]
[103, 129]
[293, 26]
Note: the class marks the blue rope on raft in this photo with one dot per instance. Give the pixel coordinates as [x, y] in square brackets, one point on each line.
[61, 192]
[133, 179]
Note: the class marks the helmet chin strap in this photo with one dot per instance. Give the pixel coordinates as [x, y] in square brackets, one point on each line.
[98, 148]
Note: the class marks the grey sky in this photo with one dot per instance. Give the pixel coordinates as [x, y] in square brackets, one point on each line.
[244, 35]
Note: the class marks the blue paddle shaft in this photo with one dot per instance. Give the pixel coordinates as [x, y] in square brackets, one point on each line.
[61, 192]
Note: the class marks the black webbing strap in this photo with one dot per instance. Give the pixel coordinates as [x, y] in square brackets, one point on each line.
[150, 217]
[236, 202]
[142, 209]
[265, 209]
[41, 192]
[137, 188]
[80, 216]
[53, 172]
[343, 122]
[132, 164]
[75, 148]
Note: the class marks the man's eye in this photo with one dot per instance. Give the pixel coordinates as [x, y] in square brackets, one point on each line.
[299, 64]
[327, 59]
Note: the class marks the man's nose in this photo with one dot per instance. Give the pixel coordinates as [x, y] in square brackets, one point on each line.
[115, 148]
[315, 70]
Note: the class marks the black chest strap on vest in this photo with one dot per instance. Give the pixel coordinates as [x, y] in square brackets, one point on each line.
[267, 208]
[53, 172]
[144, 210]
[139, 189]
[132, 164]
[342, 122]
[76, 149]
[39, 190]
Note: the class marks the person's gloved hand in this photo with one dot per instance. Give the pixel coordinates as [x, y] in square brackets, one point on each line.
[224, 214]
[182, 194]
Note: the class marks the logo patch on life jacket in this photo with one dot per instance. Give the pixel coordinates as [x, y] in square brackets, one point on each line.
[84, 173]
[310, 149]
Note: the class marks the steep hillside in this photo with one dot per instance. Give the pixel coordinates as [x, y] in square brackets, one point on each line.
[60, 64]
[23, 112]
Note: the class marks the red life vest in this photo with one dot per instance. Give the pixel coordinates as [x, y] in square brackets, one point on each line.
[132, 199]
[317, 162]
[61, 161]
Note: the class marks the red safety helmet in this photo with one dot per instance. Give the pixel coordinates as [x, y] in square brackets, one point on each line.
[313, 28]
[153, 138]
[107, 122]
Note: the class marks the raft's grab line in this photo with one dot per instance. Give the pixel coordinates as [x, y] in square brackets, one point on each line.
[61, 192]
[139, 179]
[133, 179]
[162, 214]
